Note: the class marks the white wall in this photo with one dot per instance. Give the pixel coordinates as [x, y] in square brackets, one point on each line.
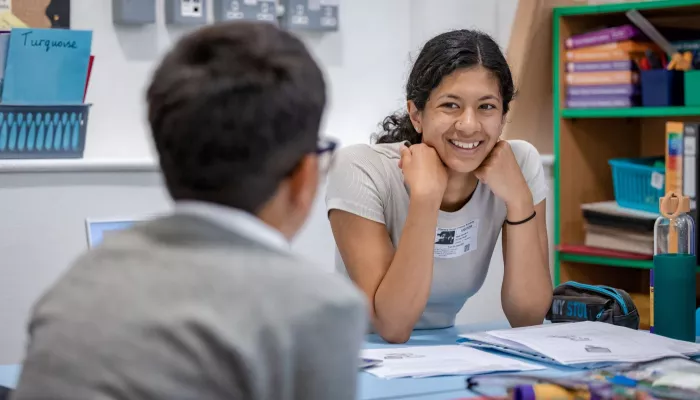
[43, 230]
[365, 63]
[431, 17]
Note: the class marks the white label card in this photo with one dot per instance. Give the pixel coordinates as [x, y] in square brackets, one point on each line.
[5, 5]
[191, 8]
[657, 180]
[454, 242]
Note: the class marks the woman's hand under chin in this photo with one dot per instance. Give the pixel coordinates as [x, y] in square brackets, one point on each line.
[501, 172]
[424, 172]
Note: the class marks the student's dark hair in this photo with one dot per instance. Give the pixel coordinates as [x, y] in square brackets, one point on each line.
[233, 109]
[441, 56]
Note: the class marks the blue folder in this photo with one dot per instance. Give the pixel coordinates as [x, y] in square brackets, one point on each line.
[46, 66]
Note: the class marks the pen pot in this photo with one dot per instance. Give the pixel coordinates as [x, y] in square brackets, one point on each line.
[672, 291]
[662, 88]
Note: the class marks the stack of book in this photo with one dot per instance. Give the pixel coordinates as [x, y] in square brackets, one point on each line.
[627, 232]
[601, 67]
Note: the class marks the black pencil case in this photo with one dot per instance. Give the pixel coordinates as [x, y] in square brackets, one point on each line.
[574, 302]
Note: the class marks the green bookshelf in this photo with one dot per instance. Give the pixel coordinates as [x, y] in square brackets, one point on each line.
[632, 112]
[594, 10]
[585, 139]
[607, 261]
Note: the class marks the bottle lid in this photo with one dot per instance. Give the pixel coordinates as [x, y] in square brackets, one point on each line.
[672, 205]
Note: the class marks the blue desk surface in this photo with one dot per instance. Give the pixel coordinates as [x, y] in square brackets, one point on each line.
[9, 375]
[373, 388]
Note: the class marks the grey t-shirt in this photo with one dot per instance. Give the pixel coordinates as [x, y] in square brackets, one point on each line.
[366, 180]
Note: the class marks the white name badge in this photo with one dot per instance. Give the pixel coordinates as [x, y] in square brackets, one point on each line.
[454, 242]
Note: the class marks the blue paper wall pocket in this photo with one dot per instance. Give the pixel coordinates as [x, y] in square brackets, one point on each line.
[46, 66]
[42, 114]
[43, 131]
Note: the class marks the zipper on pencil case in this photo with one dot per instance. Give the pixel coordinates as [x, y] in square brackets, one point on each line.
[603, 290]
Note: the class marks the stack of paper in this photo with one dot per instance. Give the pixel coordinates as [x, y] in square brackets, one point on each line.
[426, 361]
[581, 344]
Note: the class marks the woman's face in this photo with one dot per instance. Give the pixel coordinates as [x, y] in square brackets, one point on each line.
[462, 119]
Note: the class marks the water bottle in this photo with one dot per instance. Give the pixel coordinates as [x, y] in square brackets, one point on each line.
[672, 280]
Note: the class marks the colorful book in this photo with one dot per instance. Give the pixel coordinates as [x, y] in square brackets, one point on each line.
[629, 46]
[619, 51]
[606, 55]
[602, 78]
[674, 157]
[601, 101]
[691, 141]
[599, 66]
[627, 90]
[603, 36]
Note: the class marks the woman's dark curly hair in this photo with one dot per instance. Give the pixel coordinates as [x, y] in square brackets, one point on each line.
[441, 56]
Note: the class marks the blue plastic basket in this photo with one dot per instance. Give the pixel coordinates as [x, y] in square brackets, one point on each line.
[31, 132]
[637, 183]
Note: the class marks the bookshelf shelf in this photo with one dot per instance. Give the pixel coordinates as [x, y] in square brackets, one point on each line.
[621, 7]
[607, 261]
[632, 112]
[586, 139]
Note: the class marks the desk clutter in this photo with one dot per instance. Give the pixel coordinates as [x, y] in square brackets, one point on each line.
[44, 75]
[666, 378]
[582, 351]
[632, 65]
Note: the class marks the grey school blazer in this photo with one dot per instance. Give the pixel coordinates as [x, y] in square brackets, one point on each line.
[181, 308]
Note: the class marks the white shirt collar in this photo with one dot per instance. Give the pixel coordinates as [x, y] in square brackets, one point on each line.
[234, 220]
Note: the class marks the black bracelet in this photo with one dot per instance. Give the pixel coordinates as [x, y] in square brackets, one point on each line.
[523, 221]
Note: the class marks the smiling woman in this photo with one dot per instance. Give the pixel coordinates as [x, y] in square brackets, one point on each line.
[416, 215]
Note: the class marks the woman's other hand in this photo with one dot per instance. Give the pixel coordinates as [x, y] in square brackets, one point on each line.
[501, 172]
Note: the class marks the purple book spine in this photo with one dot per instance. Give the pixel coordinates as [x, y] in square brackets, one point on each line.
[608, 35]
[600, 101]
[598, 66]
[602, 90]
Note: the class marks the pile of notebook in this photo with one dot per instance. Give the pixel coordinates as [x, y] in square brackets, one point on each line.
[610, 227]
[581, 344]
[601, 67]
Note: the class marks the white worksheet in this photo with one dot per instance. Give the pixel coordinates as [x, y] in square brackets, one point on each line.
[589, 342]
[426, 361]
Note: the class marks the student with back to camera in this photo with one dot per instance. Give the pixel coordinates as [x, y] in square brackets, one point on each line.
[416, 215]
[209, 302]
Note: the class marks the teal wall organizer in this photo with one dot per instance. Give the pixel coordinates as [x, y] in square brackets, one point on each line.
[43, 132]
